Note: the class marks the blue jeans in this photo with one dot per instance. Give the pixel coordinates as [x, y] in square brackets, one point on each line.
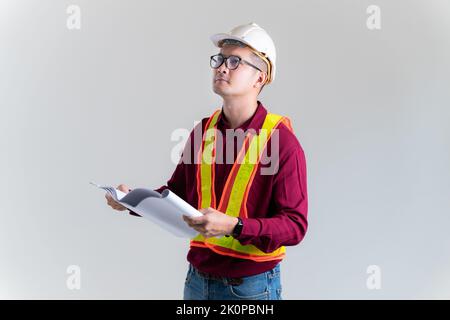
[262, 286]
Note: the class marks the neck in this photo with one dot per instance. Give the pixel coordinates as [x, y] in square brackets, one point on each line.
[239, 110]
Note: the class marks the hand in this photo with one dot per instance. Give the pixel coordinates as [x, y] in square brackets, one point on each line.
[114, 204]
[213, 223]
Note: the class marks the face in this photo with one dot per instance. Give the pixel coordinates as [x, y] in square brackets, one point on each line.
[243, 80]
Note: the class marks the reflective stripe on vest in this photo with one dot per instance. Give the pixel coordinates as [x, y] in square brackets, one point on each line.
[234, 195]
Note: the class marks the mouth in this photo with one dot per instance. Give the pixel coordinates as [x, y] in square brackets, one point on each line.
[220, 79]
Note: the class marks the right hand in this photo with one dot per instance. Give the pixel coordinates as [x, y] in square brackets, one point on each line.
[111, 202]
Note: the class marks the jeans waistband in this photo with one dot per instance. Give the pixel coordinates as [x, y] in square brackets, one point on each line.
[226, 280]
[232, 281]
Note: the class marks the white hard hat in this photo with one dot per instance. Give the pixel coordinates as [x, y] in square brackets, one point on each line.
[256, 38]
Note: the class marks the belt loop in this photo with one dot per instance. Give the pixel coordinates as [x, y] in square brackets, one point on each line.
[225, 281]
[271, 273]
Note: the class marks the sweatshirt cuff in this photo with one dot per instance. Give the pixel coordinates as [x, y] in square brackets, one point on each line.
[250, 229]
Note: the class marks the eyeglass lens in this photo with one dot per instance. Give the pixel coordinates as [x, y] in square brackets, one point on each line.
[231, 62]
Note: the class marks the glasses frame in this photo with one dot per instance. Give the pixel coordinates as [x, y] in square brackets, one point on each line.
[225, 60]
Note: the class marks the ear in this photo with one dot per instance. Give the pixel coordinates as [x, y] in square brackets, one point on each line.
[261, 80]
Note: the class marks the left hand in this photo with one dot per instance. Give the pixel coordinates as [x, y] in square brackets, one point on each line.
[213, 223]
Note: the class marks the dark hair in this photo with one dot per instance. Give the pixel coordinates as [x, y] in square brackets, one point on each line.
[232, 42]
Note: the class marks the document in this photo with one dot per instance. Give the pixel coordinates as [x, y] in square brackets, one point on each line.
[165, 209]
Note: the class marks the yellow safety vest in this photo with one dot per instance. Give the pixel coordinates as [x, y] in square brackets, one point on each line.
[234, 196]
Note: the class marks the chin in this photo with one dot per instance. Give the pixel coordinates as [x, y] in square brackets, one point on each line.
[219, 91]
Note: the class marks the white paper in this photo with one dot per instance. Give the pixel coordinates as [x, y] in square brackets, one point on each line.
[165, 209]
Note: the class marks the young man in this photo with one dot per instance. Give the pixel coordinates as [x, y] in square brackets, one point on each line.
[246, 174]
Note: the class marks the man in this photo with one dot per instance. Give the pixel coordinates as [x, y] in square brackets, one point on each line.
[251, 209]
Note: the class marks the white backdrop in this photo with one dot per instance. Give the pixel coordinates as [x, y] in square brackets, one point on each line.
[370, 108]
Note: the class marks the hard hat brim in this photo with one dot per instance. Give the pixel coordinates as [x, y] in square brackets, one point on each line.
[218, 37]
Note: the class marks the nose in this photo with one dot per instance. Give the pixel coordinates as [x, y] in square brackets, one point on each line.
[223, 68]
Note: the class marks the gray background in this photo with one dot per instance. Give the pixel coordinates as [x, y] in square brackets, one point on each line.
[370, 109]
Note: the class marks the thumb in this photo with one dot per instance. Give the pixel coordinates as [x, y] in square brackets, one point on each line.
[123, 188]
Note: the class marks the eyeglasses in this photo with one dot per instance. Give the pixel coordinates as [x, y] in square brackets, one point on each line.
[231, 62]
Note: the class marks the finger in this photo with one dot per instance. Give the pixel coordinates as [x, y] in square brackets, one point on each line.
[199, 220]
[116, 205]
[123, 188]
[114, 202]
[188, 220]
[196, 228]
[190, 224]
[200, 229]
[110, 199]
